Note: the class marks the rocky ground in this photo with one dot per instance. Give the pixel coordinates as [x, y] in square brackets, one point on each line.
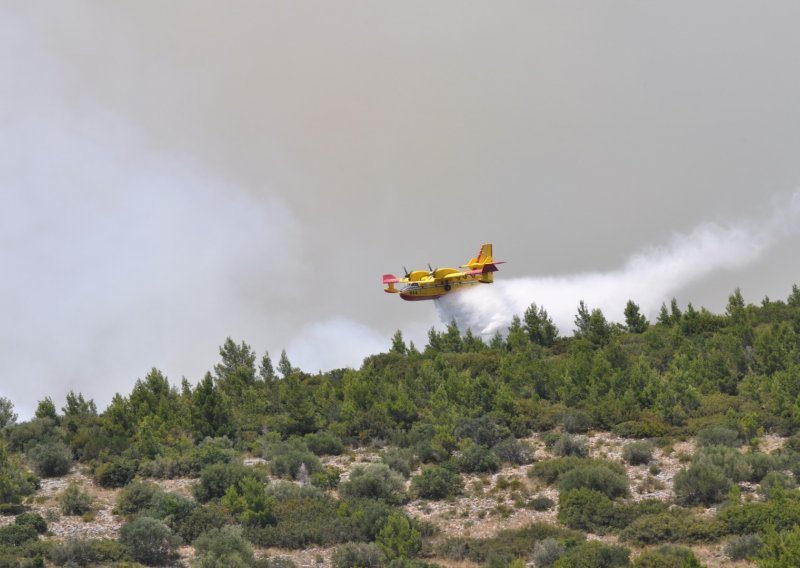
[490, 503]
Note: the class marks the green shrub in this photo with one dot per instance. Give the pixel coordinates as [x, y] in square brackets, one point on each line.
[718, 436]
[761, 464]
[775, 479]
[667, 556]
[401, 460]
[733, 463]
[17, 535]
[34, 520]
[171, 508]
[50, 459]
[214, 450]
[651, 428]
[149, 541]
[671, 526]
[586, 509]
[135, 497]
[638, 453]
[216, 478]
[399, 538]
[116, 473]
[550, 471]
[169, 467]
[576, 422]
[324, 443]
[363, 555]
[87, 552]
[701, 484]
[595, 477]
[541, 503]
[436, 482]
[477, 459]
[250, 503]
[743, 547]
[594, 554]
[513, 451]
[506, 545]
[327, 478]
[74, 501]
[287, 457]
[200, 519]
[781, 512]
[376, 481]
[546, 552]
[304, 519]
[568, 445]
[222, 547]
[483, 431]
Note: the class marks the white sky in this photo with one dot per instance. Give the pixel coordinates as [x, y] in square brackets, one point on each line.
[175, 173]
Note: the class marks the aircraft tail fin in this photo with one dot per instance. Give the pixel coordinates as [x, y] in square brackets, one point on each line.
[484, 263]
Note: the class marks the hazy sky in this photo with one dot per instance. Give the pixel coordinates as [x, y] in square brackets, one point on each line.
[173, 173]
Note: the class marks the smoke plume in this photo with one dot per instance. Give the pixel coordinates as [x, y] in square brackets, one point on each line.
[649, 277]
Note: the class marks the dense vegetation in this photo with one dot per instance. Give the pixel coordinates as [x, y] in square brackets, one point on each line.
[458, 406]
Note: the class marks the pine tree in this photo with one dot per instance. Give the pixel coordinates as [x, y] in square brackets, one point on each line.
[663, 315]
[497, 341]
[266, 371]
[284, 366]
[209, 414]
[451, 338]
[794, 298]
[516, 338]
[472, 342]
[582, 319]
[539, 326]
[398, 345]
[634, 320]
[675, 312]
[46, 409]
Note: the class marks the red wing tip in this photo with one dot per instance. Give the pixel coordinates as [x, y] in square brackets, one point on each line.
[389, 279]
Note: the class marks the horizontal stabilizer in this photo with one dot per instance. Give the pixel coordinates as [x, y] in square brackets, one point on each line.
[390, 279]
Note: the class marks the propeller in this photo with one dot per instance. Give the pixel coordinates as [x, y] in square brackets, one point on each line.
[432, 270]
[407, 273]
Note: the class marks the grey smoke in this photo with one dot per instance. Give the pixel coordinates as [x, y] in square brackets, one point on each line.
[649, 277]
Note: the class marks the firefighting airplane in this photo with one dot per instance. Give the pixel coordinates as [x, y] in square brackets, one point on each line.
[436, 282]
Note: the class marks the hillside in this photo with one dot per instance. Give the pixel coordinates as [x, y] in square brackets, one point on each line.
[671, 443]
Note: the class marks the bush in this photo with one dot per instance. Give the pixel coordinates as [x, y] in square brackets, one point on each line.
[87, 552]
[718, 436]
[733, 463]
[216, 478]
[576, 422]
[116, 473]
[324, 443]
[773, 480]
[172, 508]
[597, 478]
[638, 453]
[376, 481]
[363, 555]
[594, 554]
[222, 547]
[483, 431]
[436, 482]
[546, 552]
[513, 451]
[550, 471]
[701, 484]
[650, 428]
[541, 503]
[135, 497]
[287, 457]
[149, 541]
[401, 460]
[671, 526]
[75, 501]
[782, 514]
[399, 538]
[586, 509]
[34, 520]
[477, 459]
[213, 450]
[744, 547]
[200, 519]
[568, 445]
[17, 535]
[327, 478]
[668, 557]
[50, 459]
